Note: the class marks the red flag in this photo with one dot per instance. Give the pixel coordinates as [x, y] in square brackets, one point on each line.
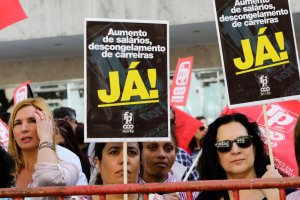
[181, 82]
[10, 12]
[186, 127]
[282, 117]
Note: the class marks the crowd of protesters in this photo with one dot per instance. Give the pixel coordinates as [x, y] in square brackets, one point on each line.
[47, 149]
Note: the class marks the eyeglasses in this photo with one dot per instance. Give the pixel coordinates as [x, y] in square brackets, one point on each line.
[226, 145]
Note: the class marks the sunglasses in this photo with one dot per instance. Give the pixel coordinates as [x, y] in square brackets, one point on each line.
[226, 145]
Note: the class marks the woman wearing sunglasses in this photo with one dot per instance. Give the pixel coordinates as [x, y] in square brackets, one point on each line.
[233, 149]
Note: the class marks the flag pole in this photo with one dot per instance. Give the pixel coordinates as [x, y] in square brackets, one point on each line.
[268, 136]
[193, 166]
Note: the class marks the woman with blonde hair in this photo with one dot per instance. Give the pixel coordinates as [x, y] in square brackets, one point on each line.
[31, 144]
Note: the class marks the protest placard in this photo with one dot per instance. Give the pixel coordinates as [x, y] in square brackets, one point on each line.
[126, 80]
[258, 50]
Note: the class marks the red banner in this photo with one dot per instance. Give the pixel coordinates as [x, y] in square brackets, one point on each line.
[186, 127]
[21, 92]
[282, 118]
[10, 12]
[181, 81]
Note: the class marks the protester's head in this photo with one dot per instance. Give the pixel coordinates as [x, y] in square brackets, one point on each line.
[109, 160]
[65, 137]
[66, 113]
[158, 157]
[79, 134]
[23, 134]
[195, 142]
[297, 143]
[232, 148]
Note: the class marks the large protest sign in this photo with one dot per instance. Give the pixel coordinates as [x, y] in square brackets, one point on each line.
[282, 117]
[258, 50]
[126, 79]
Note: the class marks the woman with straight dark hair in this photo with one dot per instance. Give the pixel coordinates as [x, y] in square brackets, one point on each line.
[233, 149]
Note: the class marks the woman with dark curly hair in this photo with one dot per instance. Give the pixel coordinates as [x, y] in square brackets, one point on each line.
[233, 149]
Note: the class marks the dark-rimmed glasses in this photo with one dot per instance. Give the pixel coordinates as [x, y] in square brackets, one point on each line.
[226, 145]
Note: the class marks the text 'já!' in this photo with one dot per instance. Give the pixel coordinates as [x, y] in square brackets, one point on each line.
[134, 87]
[264, 51]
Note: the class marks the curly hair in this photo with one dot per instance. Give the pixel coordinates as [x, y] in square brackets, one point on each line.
[209, 166]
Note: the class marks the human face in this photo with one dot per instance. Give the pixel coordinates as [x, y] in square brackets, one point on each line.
[238, 162]
[202, 130]
[24, 128]
[111, 165]
[157, 159]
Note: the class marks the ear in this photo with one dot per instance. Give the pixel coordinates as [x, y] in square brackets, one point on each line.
[97, 162]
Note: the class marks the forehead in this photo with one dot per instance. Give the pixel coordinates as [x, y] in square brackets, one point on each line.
[231, 131]
[119, 145]
[25, 111]
[158, 143]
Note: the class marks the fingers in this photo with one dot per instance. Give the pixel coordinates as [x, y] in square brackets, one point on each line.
[42, 115]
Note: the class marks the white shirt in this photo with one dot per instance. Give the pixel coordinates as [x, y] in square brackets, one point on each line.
[68, 156]
[293, 196]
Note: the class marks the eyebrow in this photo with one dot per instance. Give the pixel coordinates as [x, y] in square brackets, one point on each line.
[29, 118]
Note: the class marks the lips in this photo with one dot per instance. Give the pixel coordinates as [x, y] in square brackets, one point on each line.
[26, 139]
[161, 164]
[237, 161]
[121, 172]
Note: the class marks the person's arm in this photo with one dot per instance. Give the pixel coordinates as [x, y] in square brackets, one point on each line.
[46, 152]
[50, 174]
[271, 193]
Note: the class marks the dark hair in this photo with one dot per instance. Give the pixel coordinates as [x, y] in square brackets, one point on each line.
[7, 166]
[173, 126]
[193, 142]
[98, 149]
[65, 130]
[209, 166]
[297, 143]
[64, 112]
[79, 133]
[5, 116]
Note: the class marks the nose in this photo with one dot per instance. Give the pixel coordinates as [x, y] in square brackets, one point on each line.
[24, 127]
[121, 159]
[235, 148]
[161, 153]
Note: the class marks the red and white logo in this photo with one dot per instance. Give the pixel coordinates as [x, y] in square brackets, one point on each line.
[181, 81]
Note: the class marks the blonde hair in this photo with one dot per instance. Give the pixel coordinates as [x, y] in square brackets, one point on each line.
[13, 149]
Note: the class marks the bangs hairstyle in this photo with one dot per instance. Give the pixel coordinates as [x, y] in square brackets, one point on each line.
[13, 148]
